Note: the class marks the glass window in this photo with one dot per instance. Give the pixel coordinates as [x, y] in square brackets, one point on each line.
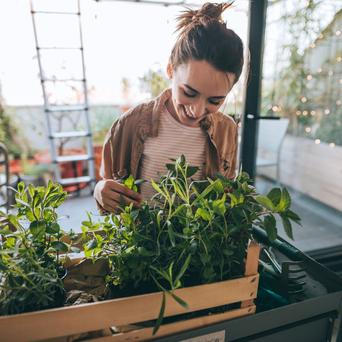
[302, 82]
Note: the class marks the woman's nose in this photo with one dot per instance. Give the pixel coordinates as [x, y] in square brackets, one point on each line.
[198, 109]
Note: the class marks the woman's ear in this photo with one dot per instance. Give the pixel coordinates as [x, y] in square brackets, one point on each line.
[169, 70]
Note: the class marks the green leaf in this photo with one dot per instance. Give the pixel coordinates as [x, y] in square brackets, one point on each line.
[23, 203]
[53, 228]
[209, 188]
[265, 202]
[157, 188]
[285, 201]
[170, 167]
[129, 182]
[236, 198]
[219, 205]
[178, 190]
[293, 216]
[287, 226]
[179, 301]
[178, 209]
[30, 189]
[171, 233]
[270, 227]
[160, 316]
[59, 246]
[203, 213]
[169, 270]
[274, 195]
[37, 229]
[218, 187]
[233, 200]
[21, 186]
[164, 274]
[183, 269]
[191, 170]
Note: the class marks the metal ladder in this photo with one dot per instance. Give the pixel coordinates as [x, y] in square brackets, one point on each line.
[70, 109]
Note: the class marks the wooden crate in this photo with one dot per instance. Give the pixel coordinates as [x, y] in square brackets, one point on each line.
[56, 324]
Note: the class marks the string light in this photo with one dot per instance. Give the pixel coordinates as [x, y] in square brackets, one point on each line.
[298, 112]
[305, 112]
[303, 99]
[313, 45]
[332, 145]
[307, 129]
[338, 102]
[309, 77]
[327, 111]
[276, 108]
[338, 32]
[339, 59]
[317, 141]
[313, 113]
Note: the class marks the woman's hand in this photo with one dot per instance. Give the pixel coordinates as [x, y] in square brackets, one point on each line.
[110, 194]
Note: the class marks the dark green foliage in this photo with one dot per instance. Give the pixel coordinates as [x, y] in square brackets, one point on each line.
[30, 244]
[28, 283]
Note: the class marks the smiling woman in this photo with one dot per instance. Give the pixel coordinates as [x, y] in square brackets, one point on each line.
[190, 104]
[205, 63]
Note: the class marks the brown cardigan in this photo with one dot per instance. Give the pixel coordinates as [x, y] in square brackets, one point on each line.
[124, 143]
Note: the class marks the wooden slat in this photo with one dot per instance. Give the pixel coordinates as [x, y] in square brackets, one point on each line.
[95, 316]
[172, 328]
[251, 266]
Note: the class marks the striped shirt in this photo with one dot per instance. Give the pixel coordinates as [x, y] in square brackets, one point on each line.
[173, 140]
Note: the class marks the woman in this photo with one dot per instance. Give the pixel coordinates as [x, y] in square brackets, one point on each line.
[205, 63]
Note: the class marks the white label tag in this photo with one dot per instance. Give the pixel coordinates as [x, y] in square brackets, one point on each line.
[218, 336]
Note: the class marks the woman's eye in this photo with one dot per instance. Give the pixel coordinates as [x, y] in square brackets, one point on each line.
[188, 95]
[215, 103]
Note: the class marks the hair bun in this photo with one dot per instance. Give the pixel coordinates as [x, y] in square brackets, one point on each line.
[213, 11]
[208, 12]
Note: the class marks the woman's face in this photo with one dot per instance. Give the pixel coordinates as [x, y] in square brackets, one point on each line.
[198, 89]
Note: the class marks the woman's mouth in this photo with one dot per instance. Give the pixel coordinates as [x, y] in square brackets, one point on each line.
[188, 114]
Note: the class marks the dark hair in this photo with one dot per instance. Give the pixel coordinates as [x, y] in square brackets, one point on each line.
[204, 36]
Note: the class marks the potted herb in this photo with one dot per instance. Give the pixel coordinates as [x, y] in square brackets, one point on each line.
[196, 232]
[31, 269]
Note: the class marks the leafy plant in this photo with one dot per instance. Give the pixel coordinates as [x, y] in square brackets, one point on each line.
[30, 246]
[196, 232]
